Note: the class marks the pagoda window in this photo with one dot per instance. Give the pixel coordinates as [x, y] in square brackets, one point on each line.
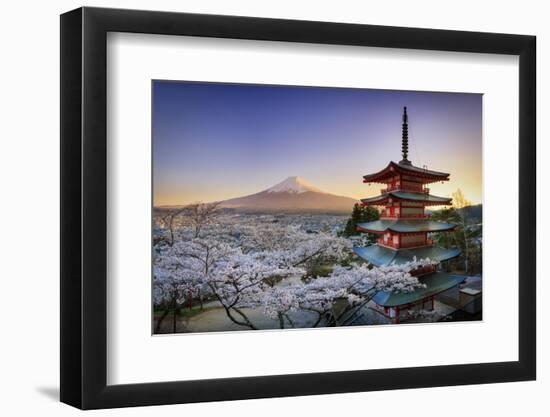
[396, 240]
[393, 184]
[412, 212]
[411, 240]
[412, 186]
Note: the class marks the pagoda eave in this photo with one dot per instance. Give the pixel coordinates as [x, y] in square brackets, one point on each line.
[435, 283]
[383, 256]
[404, 226]
[427, 176]
[378, 203]
[425, 199]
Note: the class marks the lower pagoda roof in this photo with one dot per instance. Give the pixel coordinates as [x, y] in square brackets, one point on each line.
[405, 226]
[435, 284]
[382, 256]
[407, 196]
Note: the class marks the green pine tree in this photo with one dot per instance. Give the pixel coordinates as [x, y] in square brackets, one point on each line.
[359, 214]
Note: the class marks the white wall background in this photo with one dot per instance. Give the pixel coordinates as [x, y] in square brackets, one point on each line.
[29, 172]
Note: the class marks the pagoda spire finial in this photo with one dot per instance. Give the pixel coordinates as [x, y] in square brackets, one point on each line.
[405, 138]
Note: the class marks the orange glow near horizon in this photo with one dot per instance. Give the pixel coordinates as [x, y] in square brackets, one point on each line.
[468, 184]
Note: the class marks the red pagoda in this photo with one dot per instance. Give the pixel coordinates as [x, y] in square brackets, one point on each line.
[404, 232]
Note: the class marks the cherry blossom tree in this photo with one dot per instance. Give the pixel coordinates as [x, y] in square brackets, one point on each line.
[242, 279]
[194, 216]
[249, 267]
[206, 266]
[337, 300]
[180, 272]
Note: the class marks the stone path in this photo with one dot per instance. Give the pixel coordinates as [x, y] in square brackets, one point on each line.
[215, 320]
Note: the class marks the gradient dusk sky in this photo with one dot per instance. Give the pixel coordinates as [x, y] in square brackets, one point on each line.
[214, 141]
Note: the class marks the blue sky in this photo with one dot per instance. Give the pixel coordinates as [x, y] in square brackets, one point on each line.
[213, 141]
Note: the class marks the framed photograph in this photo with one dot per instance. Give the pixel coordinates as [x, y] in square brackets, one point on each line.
[257, 208]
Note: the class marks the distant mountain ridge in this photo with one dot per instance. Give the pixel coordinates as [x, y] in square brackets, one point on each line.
[294, 194]
[473, 213]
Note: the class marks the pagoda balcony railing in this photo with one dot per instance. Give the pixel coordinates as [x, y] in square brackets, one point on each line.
[390, 188]
[413, 216]
[386, 190]
[390, 244]
[404, 216]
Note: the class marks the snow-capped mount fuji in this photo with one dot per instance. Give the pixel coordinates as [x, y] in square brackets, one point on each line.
[293, 185]
[292, 195]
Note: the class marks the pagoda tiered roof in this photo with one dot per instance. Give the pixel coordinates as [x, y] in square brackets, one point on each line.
[383, 256]
[405, 184]
[435, 284]
[427, 199]
[406, 168]
[405, 226]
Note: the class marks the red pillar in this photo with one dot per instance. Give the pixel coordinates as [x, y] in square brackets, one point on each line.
[396, 315]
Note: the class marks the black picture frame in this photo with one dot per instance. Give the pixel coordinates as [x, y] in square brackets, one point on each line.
[84, 207]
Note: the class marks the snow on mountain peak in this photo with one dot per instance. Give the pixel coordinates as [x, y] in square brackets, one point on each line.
[295, 185]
